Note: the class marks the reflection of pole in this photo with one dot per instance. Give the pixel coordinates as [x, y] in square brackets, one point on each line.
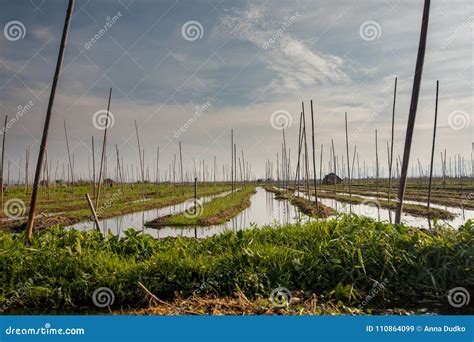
[44, 139]
[433, 148]
[413, 107]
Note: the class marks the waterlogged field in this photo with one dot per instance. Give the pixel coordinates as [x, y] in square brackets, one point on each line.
[230, 254]
[66, 206]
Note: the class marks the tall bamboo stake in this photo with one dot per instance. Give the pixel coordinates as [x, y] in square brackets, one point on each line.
[433, 149]
[44, 139]
[232, 158]
[297, 178]
[93, 168]
[314, 156]
[348, 165]
[321, 168]
[141, 161]
[104, 149]
[69, 157]
[335, 173]
[413, 108]
[390, 164]
[4, 133]
[181, 166]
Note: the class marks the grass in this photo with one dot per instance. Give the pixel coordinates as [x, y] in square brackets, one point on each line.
[412, 209]
[217, 211]
[307, 207]
[341, 260]
[66, 209]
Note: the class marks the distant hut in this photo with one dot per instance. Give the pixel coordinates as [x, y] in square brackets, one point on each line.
[332, 178]
[109, 181]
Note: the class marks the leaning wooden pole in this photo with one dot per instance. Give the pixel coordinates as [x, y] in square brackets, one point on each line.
[69, 158]
[390, 164]
[104, 149]
[314, 156]
[413, 107]
[348, 165]
[433, 149]
[4, 133]
[44, 139]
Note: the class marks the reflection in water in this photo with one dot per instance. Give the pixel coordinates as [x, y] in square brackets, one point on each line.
[119, 224]
[263, 210]
[383, 214]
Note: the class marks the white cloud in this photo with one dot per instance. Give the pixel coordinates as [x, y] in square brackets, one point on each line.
[294, 63]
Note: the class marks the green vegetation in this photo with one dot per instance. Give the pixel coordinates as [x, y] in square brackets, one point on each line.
[66, 208]
[217, 211]
[304, 205]
[412, 209]
[342, 260]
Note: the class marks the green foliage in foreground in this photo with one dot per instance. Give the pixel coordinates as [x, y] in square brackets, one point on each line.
[343, 259]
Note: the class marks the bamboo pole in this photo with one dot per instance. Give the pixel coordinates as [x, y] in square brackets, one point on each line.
[390, 163]
[297, 178]
[94, 214]
[348, 165]
[104, 148]
[314, 156]
[232, 159]
[433, 149]
[4, 133]
[69, 157]
[413, 108]
[335, 173]
[141, 161]
[44, 139]
[181, 165]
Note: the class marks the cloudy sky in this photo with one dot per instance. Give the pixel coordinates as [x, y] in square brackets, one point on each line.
[190, 71]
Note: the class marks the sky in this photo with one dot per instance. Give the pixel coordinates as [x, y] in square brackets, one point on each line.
[190, 71]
